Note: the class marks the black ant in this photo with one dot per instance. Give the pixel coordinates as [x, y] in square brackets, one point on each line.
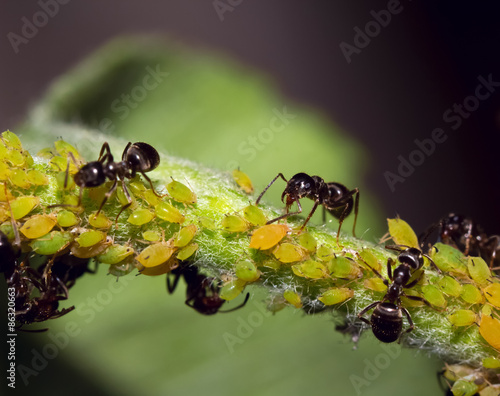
[69, 268]
[202, 292]
[466, 235]
[136, 158]
[387, 319]
[335, 198]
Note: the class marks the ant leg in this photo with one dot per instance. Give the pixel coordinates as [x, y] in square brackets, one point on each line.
[356, 209]
[365, 310]
[310, 213]
[151, 185]
[414, 282]
[129, 199]
[239, 306]
[390, 263]
[124, 155]
[72, 157]
[106, 197]
[341, 220]
[107, 155]
[410, 321]
[287, 214]
[170, 287]
[433, 264]
[269, 185]
[418, 298]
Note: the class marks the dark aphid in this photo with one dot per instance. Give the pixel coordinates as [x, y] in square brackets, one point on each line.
[387, 317]
[136, 158]
[202, 292]
[334, 197]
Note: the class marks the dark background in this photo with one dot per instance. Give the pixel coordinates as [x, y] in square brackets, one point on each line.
[396, 90]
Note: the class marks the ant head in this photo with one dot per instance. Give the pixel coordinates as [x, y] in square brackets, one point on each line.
[299, 186]
[90, 175]
[142, 156]
[412, 257]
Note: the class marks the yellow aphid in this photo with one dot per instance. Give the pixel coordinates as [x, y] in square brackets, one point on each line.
[155, 255]
[492, 293]
[243, 181]
[336, 295]
[140, 216]
[5, 195]
[23, 205]
[90, 251]
[90, 238]
[478, 270]
[293, 298]
[37, 178]
[369, 261]
[234, 223]
[11, 140]
[38, 226]
[160, 269]
[19, 178]
[434, 295]
[268, 236]
[151, 235]
[64, 148]
[310, 269]
[402, 233]
[65, 218]
[308, 242]
[489, 328]
[324, 253]
[375, 284]
[99, 221]
[232, 289]
[462, 317]
[185, 235]
[289, 253]
[254, 215]
[187, 251]
[4, 171]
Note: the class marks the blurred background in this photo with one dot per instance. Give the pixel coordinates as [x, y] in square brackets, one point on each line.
[380, 93]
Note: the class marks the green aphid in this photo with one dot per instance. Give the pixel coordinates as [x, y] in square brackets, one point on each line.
[16, 158]
[207, 223]
[478, 270]
[471, 294]
[401, 233]
[369, 261]
[140, 216]
[121, 269]
[187, 251]
[271, 263]
[254, 215]
[308, 242]
[185, 235]
[232, 289]
[310, 269]
[234, 223]
[167, 212]
[434, 296]
[491, 362]
[90, 238]
[449, 259]
[122, 198]
[293, 298]
[8, 230]
[247, 271]
[115, 254]
[58, 164]
[450, 286]
[462, 317]
[344, 268]
[4, 171]
[151, 235]
[37, 178]
[51, 243]
[21, 206]
[336, 295]
[64, 148]
[180, 192]
[375, 284]
[464, 388]
[99, 220]
[492, 293]
[289, 253]
[324, 253]
[19, 178]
